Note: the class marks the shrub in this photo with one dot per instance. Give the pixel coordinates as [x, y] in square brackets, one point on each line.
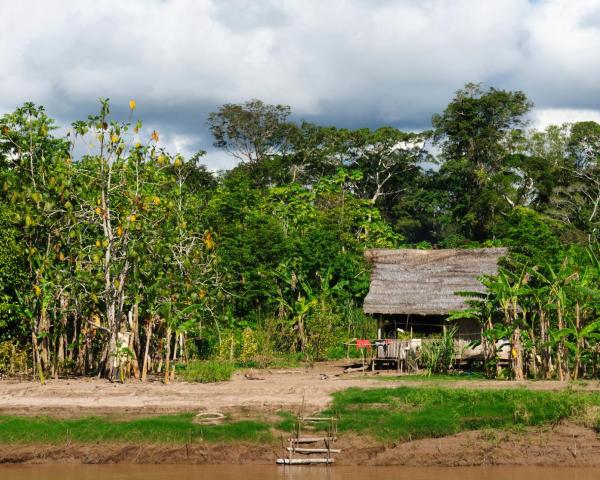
[12, 360]
[206, 371]
[437, 354]
[249, 346]
[228, 346]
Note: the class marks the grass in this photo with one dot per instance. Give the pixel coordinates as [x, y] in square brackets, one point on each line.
[206, 371]
[162, 429]
[410, 413]
[387, 414]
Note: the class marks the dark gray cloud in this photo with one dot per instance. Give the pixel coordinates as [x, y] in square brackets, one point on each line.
[351, 63]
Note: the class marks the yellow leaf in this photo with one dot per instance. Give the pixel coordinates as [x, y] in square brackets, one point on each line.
[208, 241]
[98, 210]
[154, 136]
[132, 104]
[38, 290]
[161, 159]
[98, 244]
[61, 256]
[114, 138]
[202, 294]
[119, 230]
[156, 201]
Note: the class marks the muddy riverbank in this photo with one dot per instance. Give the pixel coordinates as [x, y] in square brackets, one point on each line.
[566, 444]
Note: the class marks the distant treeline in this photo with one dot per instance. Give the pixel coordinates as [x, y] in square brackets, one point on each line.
[130, 257]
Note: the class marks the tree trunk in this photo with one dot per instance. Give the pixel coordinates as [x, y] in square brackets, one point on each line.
[579, 342]
[562, 362]
[43, 328]
[147, 348]
[516, 355]
[133, 326]
[36, 357]
[168, 355]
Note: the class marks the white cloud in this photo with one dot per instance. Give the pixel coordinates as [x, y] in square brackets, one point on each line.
[544, 117]
[349, 62]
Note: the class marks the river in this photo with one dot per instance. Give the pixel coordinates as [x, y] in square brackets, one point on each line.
[267, 472]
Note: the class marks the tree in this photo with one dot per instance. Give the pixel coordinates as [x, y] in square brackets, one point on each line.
[250, 131]
[473, 133]
[576, 199]
[37, 185]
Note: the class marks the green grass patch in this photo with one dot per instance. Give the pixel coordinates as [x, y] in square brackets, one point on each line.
[407, 412]
[163, 429]
[288, 421]
[206, 371]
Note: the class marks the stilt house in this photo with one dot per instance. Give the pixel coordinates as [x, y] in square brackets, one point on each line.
[413, 291]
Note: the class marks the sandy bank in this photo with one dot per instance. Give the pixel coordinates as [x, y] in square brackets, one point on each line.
[277, 389]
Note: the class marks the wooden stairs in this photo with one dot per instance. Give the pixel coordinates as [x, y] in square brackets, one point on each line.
[305, 443]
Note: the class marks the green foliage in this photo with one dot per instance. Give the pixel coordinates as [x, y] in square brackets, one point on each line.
[397, 414]
[206, 371]
[547, 313]
[473, 131]
[13, 361]
[129, 242]
[532, 236]
[437, 354]
[249, 346]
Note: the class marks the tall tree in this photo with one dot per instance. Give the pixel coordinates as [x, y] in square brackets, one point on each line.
[250, 131]
[473, 133]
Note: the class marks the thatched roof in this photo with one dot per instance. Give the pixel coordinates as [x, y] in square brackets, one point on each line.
[424, 282]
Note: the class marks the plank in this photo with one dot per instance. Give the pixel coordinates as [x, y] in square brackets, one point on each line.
[311, 439]
[313, 450]
[304, 461]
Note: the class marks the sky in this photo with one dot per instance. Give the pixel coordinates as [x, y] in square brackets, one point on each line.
[349, 63]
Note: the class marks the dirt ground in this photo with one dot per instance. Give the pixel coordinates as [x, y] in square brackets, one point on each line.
[267, 390]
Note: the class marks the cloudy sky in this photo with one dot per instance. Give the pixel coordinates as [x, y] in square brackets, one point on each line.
[350, 63]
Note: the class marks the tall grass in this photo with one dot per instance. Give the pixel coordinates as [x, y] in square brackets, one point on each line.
[206, 371]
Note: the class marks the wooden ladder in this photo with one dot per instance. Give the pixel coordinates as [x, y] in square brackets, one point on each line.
[305, 442]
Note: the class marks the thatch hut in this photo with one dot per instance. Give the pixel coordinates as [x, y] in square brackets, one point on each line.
[415, 290]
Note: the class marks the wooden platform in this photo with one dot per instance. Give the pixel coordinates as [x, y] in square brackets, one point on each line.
[305, 461]
[311, 424]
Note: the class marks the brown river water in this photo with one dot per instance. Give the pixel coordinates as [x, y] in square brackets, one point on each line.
[262, 472]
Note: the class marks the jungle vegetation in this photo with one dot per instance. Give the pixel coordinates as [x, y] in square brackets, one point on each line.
[119, 258]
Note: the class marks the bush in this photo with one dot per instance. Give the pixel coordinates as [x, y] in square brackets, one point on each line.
[228, 346]
[12, 360]
[437, 354]
[206, 371]
[249, 346]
